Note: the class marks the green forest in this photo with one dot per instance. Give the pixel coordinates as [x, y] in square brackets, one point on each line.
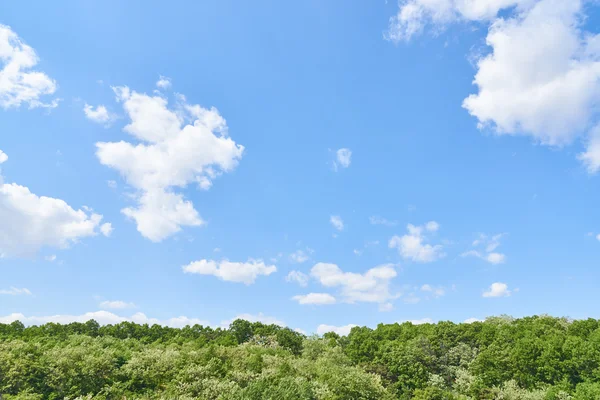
[531, 358]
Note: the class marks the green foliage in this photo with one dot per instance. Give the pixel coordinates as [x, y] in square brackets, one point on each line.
[534, 358]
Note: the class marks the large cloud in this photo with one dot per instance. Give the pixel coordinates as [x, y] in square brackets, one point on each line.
[173, 148]
[29, 222]
[542, 76]
[19, 84]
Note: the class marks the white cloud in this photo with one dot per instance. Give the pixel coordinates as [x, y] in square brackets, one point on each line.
[111, 184]
[116, 304]
[420, 321]
[413, 245]
[371, 287]
[497, 289]
[3, 157]
[19, 84]
[102, 317]
[30, 222]
[542, 76]
[489, 244]
[260, 317]
[299, 257]
[471, 320]
[174, 148]
[299, 277]
[598, 237]
[315, 298]
[343, 158]
[163, 82]
[386, 307]
[231, 271]
[13, 291]
[106, 229]
[340, 330]
[591, 156]
[337, 222]
[99, 115]
[435, 291]
[377, 220]
[50, 258]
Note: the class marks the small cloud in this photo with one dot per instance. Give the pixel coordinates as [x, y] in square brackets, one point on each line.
[357, 252]
[488, 245]
[299, 257]
[13, 291]
[298, 277]
[343, 158]
[598, 237]
[3, 157]
[112, 184]
[386, 307]
[413, 245]
[435, 291]
[106, 229]
[116, 305]
[217, 250]
[377, 220]
[497, 289]
[163, 82]
[340, 330]
[418, 321]
[337, 222]
[99, 115]
[471, 320]
[315, 299]
[50, 258]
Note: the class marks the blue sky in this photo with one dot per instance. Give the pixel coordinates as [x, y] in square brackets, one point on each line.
[311, 164]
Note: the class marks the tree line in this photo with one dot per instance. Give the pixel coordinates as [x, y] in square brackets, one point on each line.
[533, 358]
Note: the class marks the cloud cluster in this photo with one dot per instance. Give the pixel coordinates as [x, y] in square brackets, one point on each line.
[231, 271]
[413, 245]
[19, 84]
[173, 148]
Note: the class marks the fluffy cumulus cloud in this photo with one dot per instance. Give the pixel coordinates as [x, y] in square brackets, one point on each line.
[19, 83]
[373, 286]
[103, 318]
[485, 248]
[343, 158]
[413, 245]
[3, 157]
[541, 75]
[171, 148]
[116, 304]
[315, 299]
[239, 272]
[13, 291]
[31, 222]
[340, 330]
[99, 114]
[298, 277]
[337, 222]
[497, 289]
